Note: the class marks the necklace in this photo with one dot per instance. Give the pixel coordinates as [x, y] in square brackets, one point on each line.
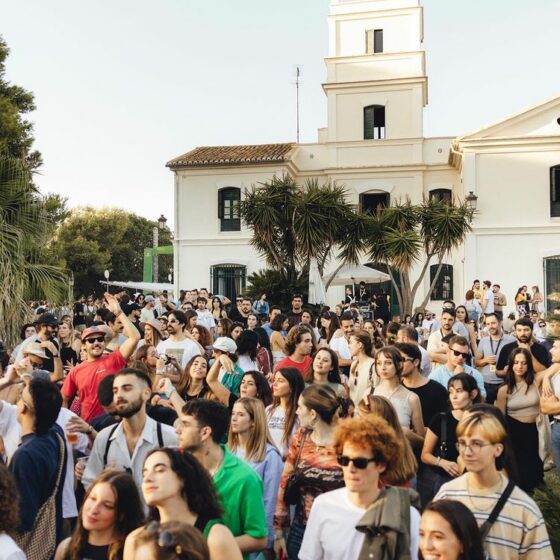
[388, 397]
[494, 488]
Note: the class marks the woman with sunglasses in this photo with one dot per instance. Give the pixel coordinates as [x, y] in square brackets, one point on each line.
[312, 458]
[439, 452]
[110, 511]
[519, 400]
[250, 440]
[177, 488]
[365, 451]
[170, 541]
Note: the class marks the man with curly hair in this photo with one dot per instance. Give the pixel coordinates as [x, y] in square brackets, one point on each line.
[342, 523]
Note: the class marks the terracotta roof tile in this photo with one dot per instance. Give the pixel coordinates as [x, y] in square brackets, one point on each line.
[232, 155]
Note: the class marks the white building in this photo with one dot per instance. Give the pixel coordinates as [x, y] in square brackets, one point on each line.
[373, 144]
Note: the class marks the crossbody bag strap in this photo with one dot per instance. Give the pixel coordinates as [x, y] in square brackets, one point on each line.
[485, 527]
[159, 435]
[299, 450]
[108, 445]
[61, 462]
[443, 437]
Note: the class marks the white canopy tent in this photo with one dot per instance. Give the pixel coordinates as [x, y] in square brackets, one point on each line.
[141, 286]
[317, 294]
[354, 274]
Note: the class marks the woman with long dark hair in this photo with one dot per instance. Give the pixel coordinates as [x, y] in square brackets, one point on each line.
[110, 511]
[218, 311]
[519, 401]
[281, 414]
[202, 335]
[329, 325]
[192, 384]
[448, 530]
[362, 371]
[247, 348]
[279, 325]
[323, 370]
[178, 488]
[264, 353]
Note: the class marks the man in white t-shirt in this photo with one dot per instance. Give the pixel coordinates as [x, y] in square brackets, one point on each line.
[341, 521]
[488, 298]
[205, 317]
[340, 344]
[179, 345]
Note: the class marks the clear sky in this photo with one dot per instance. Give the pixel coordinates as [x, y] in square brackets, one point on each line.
[123, 86]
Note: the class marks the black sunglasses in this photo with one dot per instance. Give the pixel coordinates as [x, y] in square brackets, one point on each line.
[359, 462]
[95, 339]
[457, 353]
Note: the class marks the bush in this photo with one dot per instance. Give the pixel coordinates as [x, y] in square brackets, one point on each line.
[548, 500]
[278, 291]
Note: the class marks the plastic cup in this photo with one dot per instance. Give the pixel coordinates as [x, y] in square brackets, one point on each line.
[72, 438]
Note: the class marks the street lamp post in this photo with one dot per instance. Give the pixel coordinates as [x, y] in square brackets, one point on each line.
[106, 274]
[71, 288]
[471, 199]
[162, 220]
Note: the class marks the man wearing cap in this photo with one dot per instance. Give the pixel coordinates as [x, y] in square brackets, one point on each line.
[85, 377]
[148, 310]
[47, 328]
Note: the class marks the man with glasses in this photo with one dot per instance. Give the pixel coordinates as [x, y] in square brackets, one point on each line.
[179, 345]
[519, 530]
[340, 524]
[85, 377]
[457, 354]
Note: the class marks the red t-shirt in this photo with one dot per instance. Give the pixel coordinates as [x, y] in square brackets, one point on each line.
[288, 362]
[85, 378]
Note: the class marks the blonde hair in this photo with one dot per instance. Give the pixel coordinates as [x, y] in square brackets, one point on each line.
[488, 425]
[406, 465]
[260, 435]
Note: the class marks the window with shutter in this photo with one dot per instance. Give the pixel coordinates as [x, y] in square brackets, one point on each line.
[442, 195]
[228, 209]
[370, 202]
[369, 41]
[374, 122]
[555, 191]
[228, 280]
[443, 288]
[378, 41]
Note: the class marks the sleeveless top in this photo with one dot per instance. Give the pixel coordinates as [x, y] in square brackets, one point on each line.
[399, 399]
[94, 552]
[522, 401]
[203, 524]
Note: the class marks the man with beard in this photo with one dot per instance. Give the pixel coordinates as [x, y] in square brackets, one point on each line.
[126, 445]
[294, 316]
[180, 345]
[524, 334]
[85, 377]
[437, 350]
[488, 353]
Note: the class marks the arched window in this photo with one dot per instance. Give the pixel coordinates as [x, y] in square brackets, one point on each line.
[555, 191]
[443, 288]
[228, 208]
[442, 195]
[370, 202]
[374, 122]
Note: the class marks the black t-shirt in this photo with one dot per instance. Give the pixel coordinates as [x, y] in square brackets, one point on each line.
[95, 552]
[79, 316]
[236, 317]
[294, 318]
[433, 398]
[68, 354]
[450, 452]
[540, 353]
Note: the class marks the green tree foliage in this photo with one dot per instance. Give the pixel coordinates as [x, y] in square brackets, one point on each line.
[25, 229]
[274, 285]
[93, 240]
[293, 223]
[548, 500]
[16, 137]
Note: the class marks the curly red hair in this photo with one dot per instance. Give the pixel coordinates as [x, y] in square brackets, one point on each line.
[374, 433]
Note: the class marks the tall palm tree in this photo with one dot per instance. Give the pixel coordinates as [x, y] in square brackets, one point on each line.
[24, 231]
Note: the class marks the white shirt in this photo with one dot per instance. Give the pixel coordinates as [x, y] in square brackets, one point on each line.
[246, 364]
[147, 314]
[426, 363]
[9, 550]
[69, 507]
[120, 457]
[182, 351]
[10, 429]
[489, 298]
[330, 533]
[340, 346]
[206, 319]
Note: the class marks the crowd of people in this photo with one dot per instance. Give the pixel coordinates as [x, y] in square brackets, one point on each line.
[140, 426]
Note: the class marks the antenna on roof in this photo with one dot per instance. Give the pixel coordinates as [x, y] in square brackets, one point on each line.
[298, 72]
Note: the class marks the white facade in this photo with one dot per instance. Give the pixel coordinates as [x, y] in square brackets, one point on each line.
[507, 165]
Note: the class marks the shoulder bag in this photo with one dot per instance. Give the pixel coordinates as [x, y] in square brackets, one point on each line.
[291, 491]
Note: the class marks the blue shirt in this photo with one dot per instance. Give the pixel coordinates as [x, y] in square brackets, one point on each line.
[35, 467]
[442, 375]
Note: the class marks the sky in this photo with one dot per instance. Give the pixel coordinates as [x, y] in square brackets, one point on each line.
[121, 87]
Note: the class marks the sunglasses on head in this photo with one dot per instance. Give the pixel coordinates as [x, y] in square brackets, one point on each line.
[93, 339]
[359, 462]
[457, 353]
[165, 539]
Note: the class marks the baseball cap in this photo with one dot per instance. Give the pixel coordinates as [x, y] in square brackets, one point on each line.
[225, 344]
[149, 298]
[95, 329]
[47, 319]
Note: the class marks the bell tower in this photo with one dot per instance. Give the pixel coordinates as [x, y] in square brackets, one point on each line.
[376, 70]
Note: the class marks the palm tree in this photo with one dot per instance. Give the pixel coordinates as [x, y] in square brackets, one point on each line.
[404, 234]
[24, 231]
[292, 224]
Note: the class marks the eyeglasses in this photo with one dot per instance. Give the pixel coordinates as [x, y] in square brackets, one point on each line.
[474, 446]
[35, 365]
[95, 339]
[358, 462]
[465, 355]
[166, 539]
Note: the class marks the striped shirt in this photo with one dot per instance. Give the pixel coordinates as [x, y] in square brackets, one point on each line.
[518, 532]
